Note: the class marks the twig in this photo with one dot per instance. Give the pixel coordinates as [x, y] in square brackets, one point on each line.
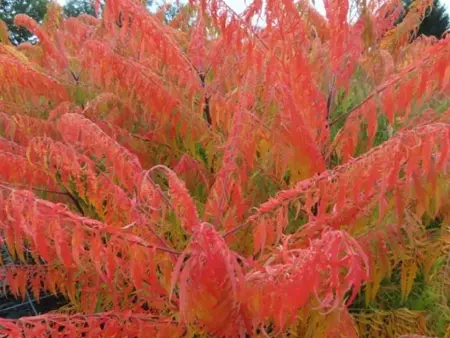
[330, 97]
[206, 109]
[75, 77]
[99, 227]
[381, 88]
[66, 193]
[76, 202]
[235, 229]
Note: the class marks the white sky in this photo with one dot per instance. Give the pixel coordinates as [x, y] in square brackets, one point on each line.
[239, 5]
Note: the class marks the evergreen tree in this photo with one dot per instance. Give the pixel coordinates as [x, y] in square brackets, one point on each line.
[74, 8]
[8, 10]
[37, 10]
[436, 21]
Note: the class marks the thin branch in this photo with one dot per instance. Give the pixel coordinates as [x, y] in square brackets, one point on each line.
[75, 77]
[249, 27]
[382, 88]
[376, 92]
[96, 223]
[330, 97]
[76, 202]
[65, 193]
[150, 246]
[235, 229]
[206, 109]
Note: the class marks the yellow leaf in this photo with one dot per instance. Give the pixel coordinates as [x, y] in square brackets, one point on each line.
[264, 146]
[409, 270]
[368, 294]
[376, 283]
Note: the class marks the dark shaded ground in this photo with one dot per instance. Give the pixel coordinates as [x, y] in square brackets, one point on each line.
[12, 308]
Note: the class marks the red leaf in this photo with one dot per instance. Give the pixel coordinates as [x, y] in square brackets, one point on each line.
[96, 254]
[259, 236]
[78, 245]
[427, 146]
[61, 241]
[393, 175]
[372, 124]
[183, 204]
[176, 272]
[137, 267]
[443, 159]
[399, 205]
[389, 104]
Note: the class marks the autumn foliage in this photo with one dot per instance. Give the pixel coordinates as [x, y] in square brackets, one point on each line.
[216, 175]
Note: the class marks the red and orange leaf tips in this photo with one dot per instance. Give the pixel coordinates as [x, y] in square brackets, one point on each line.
[276, 173]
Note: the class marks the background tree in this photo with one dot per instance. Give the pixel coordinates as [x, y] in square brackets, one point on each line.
[9, 8]
[436, 21]
[73, 8]
[37, 10]
[171, 13]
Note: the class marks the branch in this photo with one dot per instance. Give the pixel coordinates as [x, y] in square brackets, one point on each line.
[330, 97]
[76, 202]
[65, 193]
[206, 111]
[92, 225]
[383, 87]
[235, 229]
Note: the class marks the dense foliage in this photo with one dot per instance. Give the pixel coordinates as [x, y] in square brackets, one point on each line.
[207, 176]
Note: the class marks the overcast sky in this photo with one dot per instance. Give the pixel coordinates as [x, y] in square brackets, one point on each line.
[239, 5]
